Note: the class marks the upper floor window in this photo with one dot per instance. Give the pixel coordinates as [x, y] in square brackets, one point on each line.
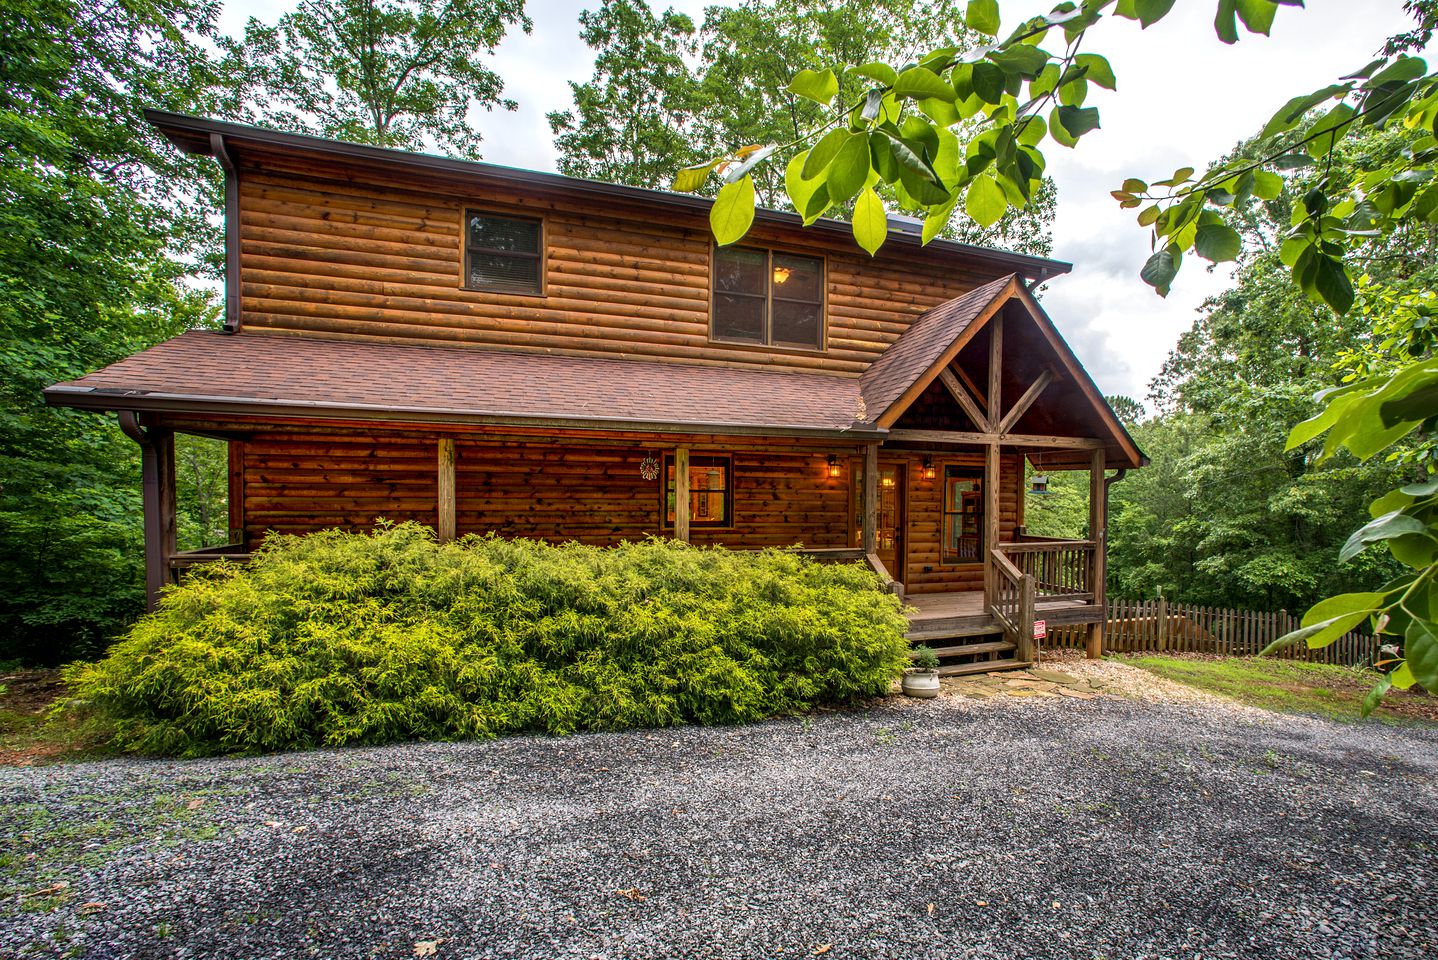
[770, 298]
[503, 254]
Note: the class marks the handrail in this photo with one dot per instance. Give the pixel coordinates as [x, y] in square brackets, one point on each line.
[1046, 546]
[890, 585]
[1013, 603]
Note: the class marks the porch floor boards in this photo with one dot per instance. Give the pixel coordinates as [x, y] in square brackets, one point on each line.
[934, 612]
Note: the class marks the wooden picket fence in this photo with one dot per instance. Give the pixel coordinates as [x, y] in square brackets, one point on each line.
[1161, 626]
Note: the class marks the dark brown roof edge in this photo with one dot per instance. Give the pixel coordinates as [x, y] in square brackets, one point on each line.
[92, 398]
[192, 135]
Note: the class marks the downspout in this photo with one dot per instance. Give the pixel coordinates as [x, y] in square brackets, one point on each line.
[232, 233]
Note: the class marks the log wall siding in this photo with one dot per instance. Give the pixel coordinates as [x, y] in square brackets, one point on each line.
[341, 252]
[554, 489]
[924, 520]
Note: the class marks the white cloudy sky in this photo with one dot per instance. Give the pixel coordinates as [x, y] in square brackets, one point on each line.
[1184, 98]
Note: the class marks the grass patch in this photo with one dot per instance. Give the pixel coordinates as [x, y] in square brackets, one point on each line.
[31, 731]
[1289, 686]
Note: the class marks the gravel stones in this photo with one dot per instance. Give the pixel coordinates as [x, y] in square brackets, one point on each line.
[1034, 827]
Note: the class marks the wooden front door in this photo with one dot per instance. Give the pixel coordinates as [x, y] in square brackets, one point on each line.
[890, 529]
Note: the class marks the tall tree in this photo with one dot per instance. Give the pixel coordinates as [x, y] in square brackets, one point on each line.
[395, 73]
[101, 222]
[635, 117]
[665, 93]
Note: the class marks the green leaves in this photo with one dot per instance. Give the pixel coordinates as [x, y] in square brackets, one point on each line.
[921, 83]
[1386, 527]
[881, 72]
[692, 178]
[871, 222]
[1149, 12]
[1096, 70]
[983, 16]
[1160, 269]
[1217, 242]
[849, 171]
[1330, 619]
[985, 201]
[821, 87]
[733, 211]
[1067, 124]
[825, 151]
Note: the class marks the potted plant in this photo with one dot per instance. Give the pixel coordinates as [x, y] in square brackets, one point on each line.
[922, 679]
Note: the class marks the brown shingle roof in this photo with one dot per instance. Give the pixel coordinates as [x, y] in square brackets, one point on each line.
[312, 376]
[920, 347]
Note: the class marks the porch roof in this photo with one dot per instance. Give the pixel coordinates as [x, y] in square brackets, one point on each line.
[249, 372]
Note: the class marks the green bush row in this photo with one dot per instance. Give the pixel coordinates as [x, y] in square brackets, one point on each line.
[338, 638]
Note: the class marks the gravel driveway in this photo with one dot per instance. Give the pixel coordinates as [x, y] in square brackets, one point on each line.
[951, 828]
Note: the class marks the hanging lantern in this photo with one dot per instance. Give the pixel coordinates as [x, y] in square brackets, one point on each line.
[649, 467]
[1039, 484]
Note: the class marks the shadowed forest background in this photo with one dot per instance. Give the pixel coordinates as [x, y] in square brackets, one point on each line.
[109, 243]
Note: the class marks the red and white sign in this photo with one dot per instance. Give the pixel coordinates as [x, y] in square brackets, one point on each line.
[1041, 629]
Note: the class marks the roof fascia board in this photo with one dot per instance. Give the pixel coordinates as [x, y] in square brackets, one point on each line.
[88, 398]
[897, 408]
[1084, 381]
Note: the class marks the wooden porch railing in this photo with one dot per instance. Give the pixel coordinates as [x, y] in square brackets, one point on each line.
[1062, 569]
[1012, 604]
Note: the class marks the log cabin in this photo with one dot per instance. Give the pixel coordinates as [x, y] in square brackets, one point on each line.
[487, 349]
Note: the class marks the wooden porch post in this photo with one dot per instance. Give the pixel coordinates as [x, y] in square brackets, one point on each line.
[681, 494]
[1098, 533]
[869, 521]
[448, 526]
[991, 518]
[157, 469]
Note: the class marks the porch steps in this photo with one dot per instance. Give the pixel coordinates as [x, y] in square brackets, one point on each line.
[971, 649]
[985, 650]
[931, 634]
[983, 666]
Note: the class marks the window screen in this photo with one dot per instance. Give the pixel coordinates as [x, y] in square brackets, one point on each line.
[502, 253]
[768, 298]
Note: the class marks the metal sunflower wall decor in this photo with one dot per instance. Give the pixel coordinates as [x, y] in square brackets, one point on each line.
[649, 467]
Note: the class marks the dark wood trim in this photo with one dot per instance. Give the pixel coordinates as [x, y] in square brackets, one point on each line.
[236, 490]
[446, 523]
[993, 478]
[995, 393]
[157, 471]
[769, 345]
[869, 522]
[961, 396]
[994, 439]
[1024, 402]
[541, 255]
[897, 408]
[689, 456]
[233, 317]
[1098, 533]
[1080, 376]
[87, 399]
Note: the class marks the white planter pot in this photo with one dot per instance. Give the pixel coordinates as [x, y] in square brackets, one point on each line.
[921, 683]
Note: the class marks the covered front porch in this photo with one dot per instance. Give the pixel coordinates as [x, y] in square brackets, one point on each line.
[944, 518]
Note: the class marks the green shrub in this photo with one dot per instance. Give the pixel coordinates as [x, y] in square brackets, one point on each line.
[339, 638]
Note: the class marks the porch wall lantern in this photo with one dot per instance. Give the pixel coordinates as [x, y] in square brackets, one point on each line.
[928, 472]
[835, 470]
